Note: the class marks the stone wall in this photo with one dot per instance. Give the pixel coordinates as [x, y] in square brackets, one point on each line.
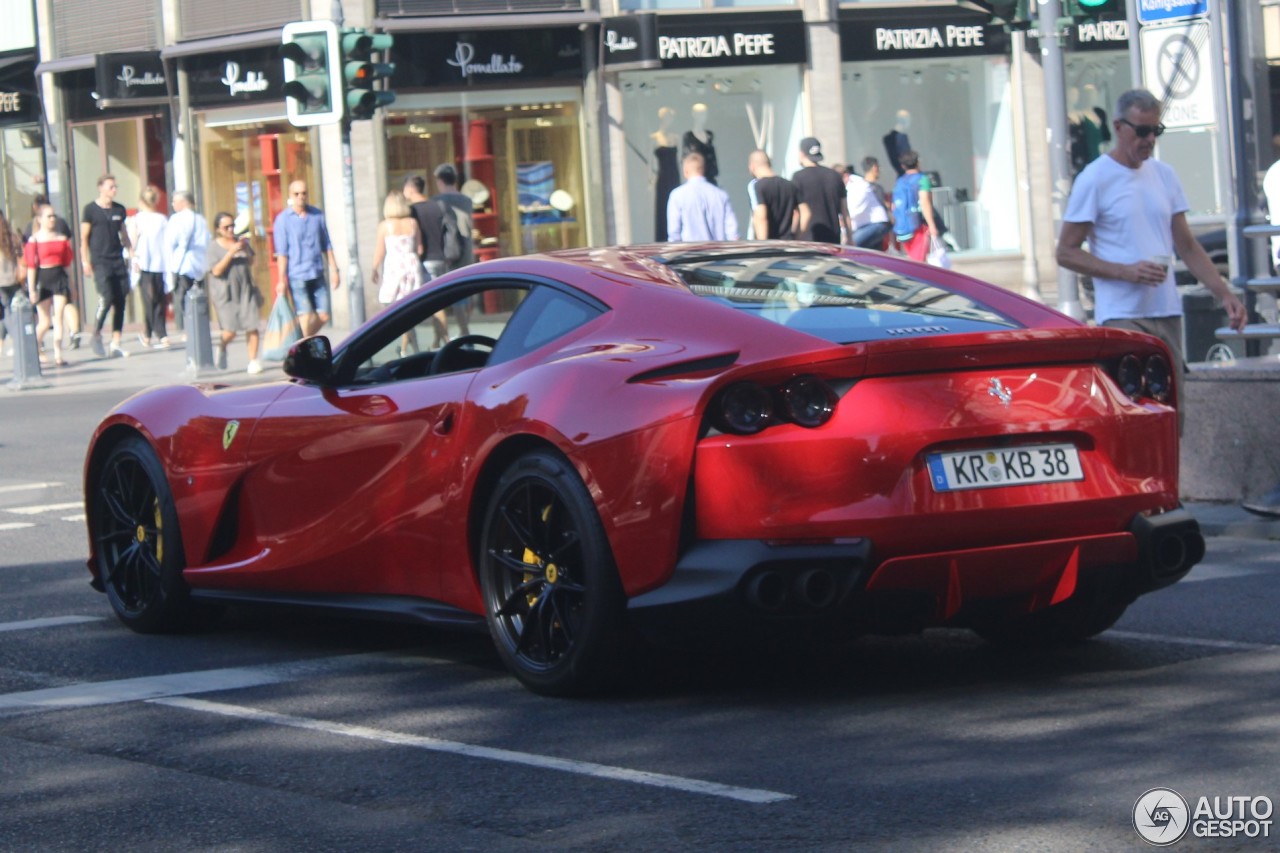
[1231, 440]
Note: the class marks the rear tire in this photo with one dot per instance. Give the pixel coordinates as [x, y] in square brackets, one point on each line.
[553, 601]
[134, 524]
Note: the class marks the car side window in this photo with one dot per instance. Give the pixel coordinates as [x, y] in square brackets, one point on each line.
[409, 344]
[548, 313]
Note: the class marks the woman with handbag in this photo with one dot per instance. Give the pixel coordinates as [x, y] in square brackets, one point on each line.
[235, 298]
[48, 256]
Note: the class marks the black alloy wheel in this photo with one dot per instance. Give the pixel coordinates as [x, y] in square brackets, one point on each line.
[552, 596]
[135, 527]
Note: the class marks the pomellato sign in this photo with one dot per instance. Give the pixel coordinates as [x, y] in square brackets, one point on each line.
[486, 57]
[246, 76]
[135, 78]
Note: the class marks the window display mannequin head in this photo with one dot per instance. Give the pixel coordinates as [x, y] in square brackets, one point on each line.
[700, 121]
[663, 135]
[902, 121]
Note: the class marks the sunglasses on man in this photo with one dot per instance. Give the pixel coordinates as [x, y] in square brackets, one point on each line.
[1143, 130]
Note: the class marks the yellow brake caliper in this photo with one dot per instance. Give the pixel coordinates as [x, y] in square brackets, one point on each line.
[549, 570]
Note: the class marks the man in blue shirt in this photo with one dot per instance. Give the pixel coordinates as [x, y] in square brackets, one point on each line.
[698, 209]
[301, 245]
[186, 239]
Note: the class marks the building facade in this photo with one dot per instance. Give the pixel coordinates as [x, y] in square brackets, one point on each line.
[565, 118]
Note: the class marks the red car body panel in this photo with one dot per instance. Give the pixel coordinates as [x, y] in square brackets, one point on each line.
[377, 489]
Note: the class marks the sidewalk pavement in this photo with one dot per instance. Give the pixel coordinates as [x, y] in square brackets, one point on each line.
[143, 368]
[147, 367]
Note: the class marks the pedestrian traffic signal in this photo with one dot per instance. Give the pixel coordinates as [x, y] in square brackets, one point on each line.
[312, 83]
[361, 73]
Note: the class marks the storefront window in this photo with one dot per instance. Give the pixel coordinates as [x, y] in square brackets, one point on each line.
[246, 168]
[733, 110]
[956, 113]
[651, 5]
[23, 159]
[521, 163]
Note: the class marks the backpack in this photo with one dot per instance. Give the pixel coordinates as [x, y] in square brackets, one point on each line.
[906, 204]
[456, 232]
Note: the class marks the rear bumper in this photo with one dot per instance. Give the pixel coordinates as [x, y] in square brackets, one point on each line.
[725, 579]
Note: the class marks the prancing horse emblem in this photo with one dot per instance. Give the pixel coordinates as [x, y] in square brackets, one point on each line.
[1001, 393]
[229, 433]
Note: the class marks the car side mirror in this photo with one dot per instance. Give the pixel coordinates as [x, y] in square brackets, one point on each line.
[310, 359]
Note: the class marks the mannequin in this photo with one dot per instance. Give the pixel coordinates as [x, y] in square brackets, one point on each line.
[666, 169]
[896, 141]
[1087, 131]
[701, 140]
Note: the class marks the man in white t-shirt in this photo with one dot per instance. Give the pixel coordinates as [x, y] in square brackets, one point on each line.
[868, 215]
[1133, 212]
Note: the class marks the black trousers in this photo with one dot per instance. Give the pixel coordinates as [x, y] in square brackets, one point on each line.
[112, 282]
[153, 301]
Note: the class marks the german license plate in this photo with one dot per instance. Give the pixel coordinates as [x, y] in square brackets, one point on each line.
[1005, 466]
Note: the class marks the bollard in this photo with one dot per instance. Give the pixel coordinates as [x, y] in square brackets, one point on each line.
[199, 340]
[26, 349]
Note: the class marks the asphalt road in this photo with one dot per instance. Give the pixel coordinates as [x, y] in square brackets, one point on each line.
[285, 731]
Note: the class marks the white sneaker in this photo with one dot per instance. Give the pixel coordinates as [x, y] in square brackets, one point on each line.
[95, 343]
[118, 352]
[255, 367]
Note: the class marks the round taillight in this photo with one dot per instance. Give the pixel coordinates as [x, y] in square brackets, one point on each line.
[1158, 378]
[809, 401]
[1129, 376]
[743, 409]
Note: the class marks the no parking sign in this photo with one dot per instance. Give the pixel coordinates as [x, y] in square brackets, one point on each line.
[1177, 68]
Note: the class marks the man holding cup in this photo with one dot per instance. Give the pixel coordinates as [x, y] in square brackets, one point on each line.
[1133, 212]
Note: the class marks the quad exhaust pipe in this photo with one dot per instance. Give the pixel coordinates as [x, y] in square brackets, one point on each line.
[773, 591]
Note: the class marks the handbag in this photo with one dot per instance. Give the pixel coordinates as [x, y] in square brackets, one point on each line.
[938, 256]
[283, 330]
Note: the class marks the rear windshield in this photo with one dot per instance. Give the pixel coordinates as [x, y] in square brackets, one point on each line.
[837, 299]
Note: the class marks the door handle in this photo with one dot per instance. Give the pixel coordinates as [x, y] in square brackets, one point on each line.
[444, 423]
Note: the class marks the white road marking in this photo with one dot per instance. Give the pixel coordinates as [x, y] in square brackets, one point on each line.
[17, 525]
[22, 487]
[1191, 641]
[87, 694]
[48, 622]
[79, 517]
[36, 510]
[545, 762]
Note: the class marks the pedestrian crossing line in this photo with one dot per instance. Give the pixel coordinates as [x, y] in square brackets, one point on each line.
[22, 487]
[1190, 641]
[543, 762]
[91, 693]
[37, 510]
[16, 525]
[48, 622]
[78, 517]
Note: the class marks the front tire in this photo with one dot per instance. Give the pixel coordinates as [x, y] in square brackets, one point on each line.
[134, 524]
[553, 600]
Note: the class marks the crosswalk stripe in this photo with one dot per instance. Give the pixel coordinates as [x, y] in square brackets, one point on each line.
[47, 622]
[36, 510]
[544, 762]
[17, 525]
[23, 487]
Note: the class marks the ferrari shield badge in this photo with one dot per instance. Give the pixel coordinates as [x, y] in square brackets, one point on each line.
[229, 433]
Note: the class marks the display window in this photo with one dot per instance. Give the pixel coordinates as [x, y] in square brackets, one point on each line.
[519, 156]
[1094, 82]
[246, 167]
[22, 156]
[723, 114]
[956, 113]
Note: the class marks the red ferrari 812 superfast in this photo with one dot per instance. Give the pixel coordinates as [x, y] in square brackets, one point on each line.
[748, 437]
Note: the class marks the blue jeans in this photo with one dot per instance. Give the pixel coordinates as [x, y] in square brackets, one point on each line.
[310, 296]
[871, 235]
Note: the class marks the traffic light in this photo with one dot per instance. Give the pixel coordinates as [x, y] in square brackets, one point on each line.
[312, 83]
[1090, 10]
[360, 73]
[1014, 14]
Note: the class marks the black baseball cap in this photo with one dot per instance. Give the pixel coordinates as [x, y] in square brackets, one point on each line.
[811, 148]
